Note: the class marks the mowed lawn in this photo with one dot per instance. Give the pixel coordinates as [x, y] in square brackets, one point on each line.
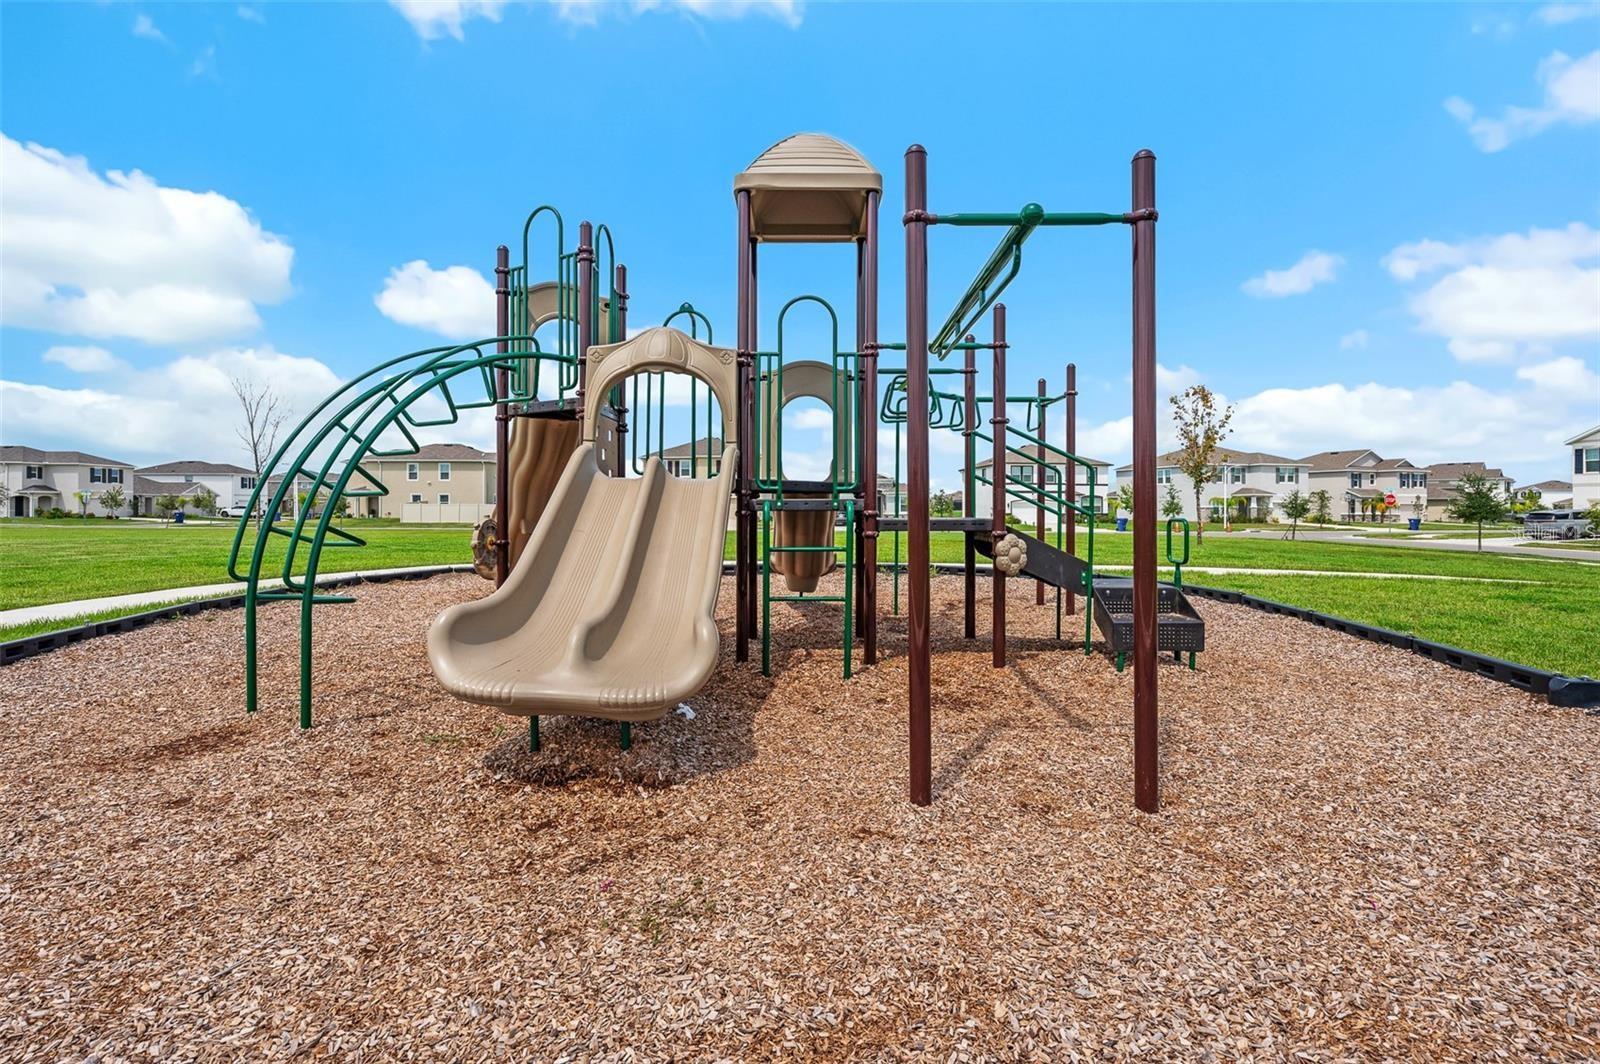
[1529, 610]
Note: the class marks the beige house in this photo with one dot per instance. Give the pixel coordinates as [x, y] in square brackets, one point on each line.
[1553, 494]
[442, 482]
[1251, 485]
[1055, 474]
[34, 481]
[1442, 478]
[1356, 479]
[699, 460]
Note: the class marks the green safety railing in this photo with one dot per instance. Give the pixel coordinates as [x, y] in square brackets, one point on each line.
[768, 453]
[373, 416]
[650, 408]
[848, 506]
[1178, 563]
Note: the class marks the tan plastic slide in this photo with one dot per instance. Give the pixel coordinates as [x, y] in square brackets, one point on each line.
[610, 610]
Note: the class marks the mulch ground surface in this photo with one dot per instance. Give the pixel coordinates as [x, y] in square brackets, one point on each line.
[1362, 855]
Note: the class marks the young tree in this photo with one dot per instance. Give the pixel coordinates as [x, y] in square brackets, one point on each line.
[1593, 514]
[1419, 507]
[942, 503]
[1531, 498]
[83, 498]
[1172, 506]
[1124, 499]
[112, 499]
[167, 505]
[205, 501]
[1476, 502]
[1202, 425]
[263, 419]
[1321, 506]
[1295, 508]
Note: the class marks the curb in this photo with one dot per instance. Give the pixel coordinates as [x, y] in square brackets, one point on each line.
[29, 646]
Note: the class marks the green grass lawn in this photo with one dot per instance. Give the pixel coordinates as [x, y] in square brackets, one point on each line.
[1551, 620]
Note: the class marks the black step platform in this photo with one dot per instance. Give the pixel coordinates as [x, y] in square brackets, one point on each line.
[1178, 626]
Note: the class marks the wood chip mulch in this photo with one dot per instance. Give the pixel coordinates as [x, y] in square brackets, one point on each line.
[1362, 855]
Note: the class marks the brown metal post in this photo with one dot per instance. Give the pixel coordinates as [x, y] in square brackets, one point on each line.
[918, 663]
[585, 266]
[869, 432]
[751, 547]
[969, 493]
[997, 489]
[741, 644]
[502, 415]
[1038, 494]
[1146, 736]
[858, 526]
[1071, 517]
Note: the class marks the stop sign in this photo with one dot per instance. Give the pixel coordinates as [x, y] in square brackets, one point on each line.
[1388, 500]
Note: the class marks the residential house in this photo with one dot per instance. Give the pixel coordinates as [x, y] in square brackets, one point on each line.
[144, 493]
[36, 481]
[1357, 479]
[701, 459]
[1250, 484]
[1442, 480]
[1055, 474]
[231, 484]
[1553, 494]
[892, 498]
[441, 482]
[1585, 468]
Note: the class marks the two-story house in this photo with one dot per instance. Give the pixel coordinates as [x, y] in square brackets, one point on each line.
[441, 482]
[232, 485]
[1442, 478]
[1553, 494]
[1249, 485]
[1356, 480]
[36, 481]
[1585, 468]
[700, 459]
[1055, 474]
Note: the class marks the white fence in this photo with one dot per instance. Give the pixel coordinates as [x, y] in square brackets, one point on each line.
[462, 513]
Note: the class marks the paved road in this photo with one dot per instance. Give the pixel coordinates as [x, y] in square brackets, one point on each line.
[1490, 546]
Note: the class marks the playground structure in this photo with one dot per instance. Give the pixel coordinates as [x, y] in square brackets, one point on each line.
[606, 566]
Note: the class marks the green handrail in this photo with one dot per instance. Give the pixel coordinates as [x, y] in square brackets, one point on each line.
[1178, 563]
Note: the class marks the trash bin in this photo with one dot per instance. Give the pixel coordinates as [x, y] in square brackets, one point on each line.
[177, 518]
[1122, 524]
[1413, 523]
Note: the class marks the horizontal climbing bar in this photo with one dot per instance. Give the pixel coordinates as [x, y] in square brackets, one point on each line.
[1048, 218]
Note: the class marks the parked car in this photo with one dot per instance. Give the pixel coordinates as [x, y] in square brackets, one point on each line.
[1555, 524]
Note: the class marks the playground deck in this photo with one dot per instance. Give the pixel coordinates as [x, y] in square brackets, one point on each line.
[1361, 854]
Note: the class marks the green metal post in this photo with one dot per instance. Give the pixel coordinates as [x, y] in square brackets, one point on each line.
[533, 734]
[766, 588]
[849, 581]
[627, 736]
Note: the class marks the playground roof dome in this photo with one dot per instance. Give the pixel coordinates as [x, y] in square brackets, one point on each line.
[808, 188]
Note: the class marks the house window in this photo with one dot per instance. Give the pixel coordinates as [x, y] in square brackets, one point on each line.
[246, 483]
[1355, 480]
[414, 472]
[33, 472]
[97, 475]
[114, 475]
[444, 498]
[1164, 475]
[415, 497]
[1288, 474]
[1372, 478]
[1586, 460]
[1236, 475]
[444, 470]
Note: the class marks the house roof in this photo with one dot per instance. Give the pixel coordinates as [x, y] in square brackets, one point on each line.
[1546, 486]
[146, 486]
[191, 468]
[12, 452]
[1583, 437]
[1448, 471]
[1327, 461]
[1365, 493]
[1392, 463]
[1225, 456]
[37, 487]
[705, 445]
[448, 452]
[1248, 492]
[1032, 451]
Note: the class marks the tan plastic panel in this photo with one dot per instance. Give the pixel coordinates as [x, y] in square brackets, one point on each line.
[662, 348]
[808, 188]
[804, 528]
[543, 300]
[610, 611]
[538, 455]
[806, 379]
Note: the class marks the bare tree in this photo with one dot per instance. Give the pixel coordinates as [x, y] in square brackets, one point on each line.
[1202, 426]
[263, 420]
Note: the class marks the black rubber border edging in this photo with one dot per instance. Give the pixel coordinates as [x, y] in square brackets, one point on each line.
[29, 646]
[1573, 691]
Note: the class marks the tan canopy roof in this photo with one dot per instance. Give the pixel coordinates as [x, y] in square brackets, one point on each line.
[808, 188]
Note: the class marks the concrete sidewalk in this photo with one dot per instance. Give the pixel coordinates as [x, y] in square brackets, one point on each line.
[56, 611]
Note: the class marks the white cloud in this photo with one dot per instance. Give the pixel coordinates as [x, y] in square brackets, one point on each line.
[84, 359]
[811, 417]
[250, 14]
[1171, 381]
[1564, 376]
[205, 63]
[182, 409]
[144, 26]
[1314, 268]
[119, 255]
[1354, 341]
[1507, 294]
[1571, 97]
[456, 302]
[1560, 14]
[431, 18]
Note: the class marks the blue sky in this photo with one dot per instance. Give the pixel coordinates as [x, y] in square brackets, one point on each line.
[1379, 224]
